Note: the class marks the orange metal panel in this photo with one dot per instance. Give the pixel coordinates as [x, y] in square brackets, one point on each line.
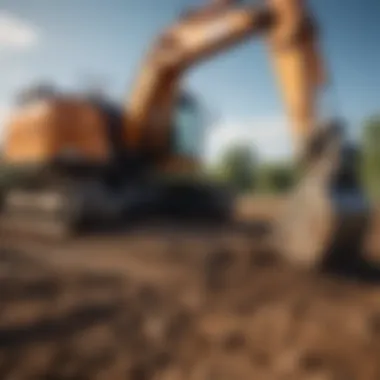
[43, 130]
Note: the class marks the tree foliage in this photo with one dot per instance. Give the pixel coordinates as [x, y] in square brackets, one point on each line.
[276, 177]
[241, 167]
[238, 167]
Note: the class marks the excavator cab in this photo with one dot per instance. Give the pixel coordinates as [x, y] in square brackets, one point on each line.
[186, 136]
[184, 191]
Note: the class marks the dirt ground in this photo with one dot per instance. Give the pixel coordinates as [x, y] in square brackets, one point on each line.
[199, 304]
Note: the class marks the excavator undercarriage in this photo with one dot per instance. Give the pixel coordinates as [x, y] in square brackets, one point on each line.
[61, 205]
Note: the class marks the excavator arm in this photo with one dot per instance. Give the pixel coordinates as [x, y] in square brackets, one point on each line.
[296, 58]
[195, 37]
[212, 29]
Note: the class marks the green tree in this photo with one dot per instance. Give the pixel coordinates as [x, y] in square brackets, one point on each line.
[371, 154]
[276, 177]
[238, 166]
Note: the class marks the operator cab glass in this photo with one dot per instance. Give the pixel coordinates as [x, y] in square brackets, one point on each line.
[188, 129]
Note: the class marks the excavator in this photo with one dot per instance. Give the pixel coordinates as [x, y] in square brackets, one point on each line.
[74, 159]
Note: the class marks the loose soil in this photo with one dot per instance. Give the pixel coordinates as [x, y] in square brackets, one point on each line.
[196, 303]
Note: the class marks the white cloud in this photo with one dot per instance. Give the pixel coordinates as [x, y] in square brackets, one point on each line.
[15, 33]
[270, 137]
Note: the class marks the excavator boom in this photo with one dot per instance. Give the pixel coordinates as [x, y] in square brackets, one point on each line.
[194, 38]
[296, 58]
[199, 35]
[290, 31]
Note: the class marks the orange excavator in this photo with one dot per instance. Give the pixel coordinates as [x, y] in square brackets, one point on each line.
[74, 159]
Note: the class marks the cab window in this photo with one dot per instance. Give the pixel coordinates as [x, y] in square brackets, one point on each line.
[188, 129]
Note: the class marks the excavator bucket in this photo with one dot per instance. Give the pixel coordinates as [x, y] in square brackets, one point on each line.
[326, 218]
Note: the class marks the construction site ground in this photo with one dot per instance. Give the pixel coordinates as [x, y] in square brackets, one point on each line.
[184, 302]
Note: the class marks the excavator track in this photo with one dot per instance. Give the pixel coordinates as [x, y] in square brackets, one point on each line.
[75, 208]
[58, 211]
[34, 213]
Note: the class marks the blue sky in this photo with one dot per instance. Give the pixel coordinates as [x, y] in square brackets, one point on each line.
[67, 41]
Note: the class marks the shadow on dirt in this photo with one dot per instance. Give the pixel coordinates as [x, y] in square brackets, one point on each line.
[358, 270]
[56, 329]
[48, 317]
[346, 255]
